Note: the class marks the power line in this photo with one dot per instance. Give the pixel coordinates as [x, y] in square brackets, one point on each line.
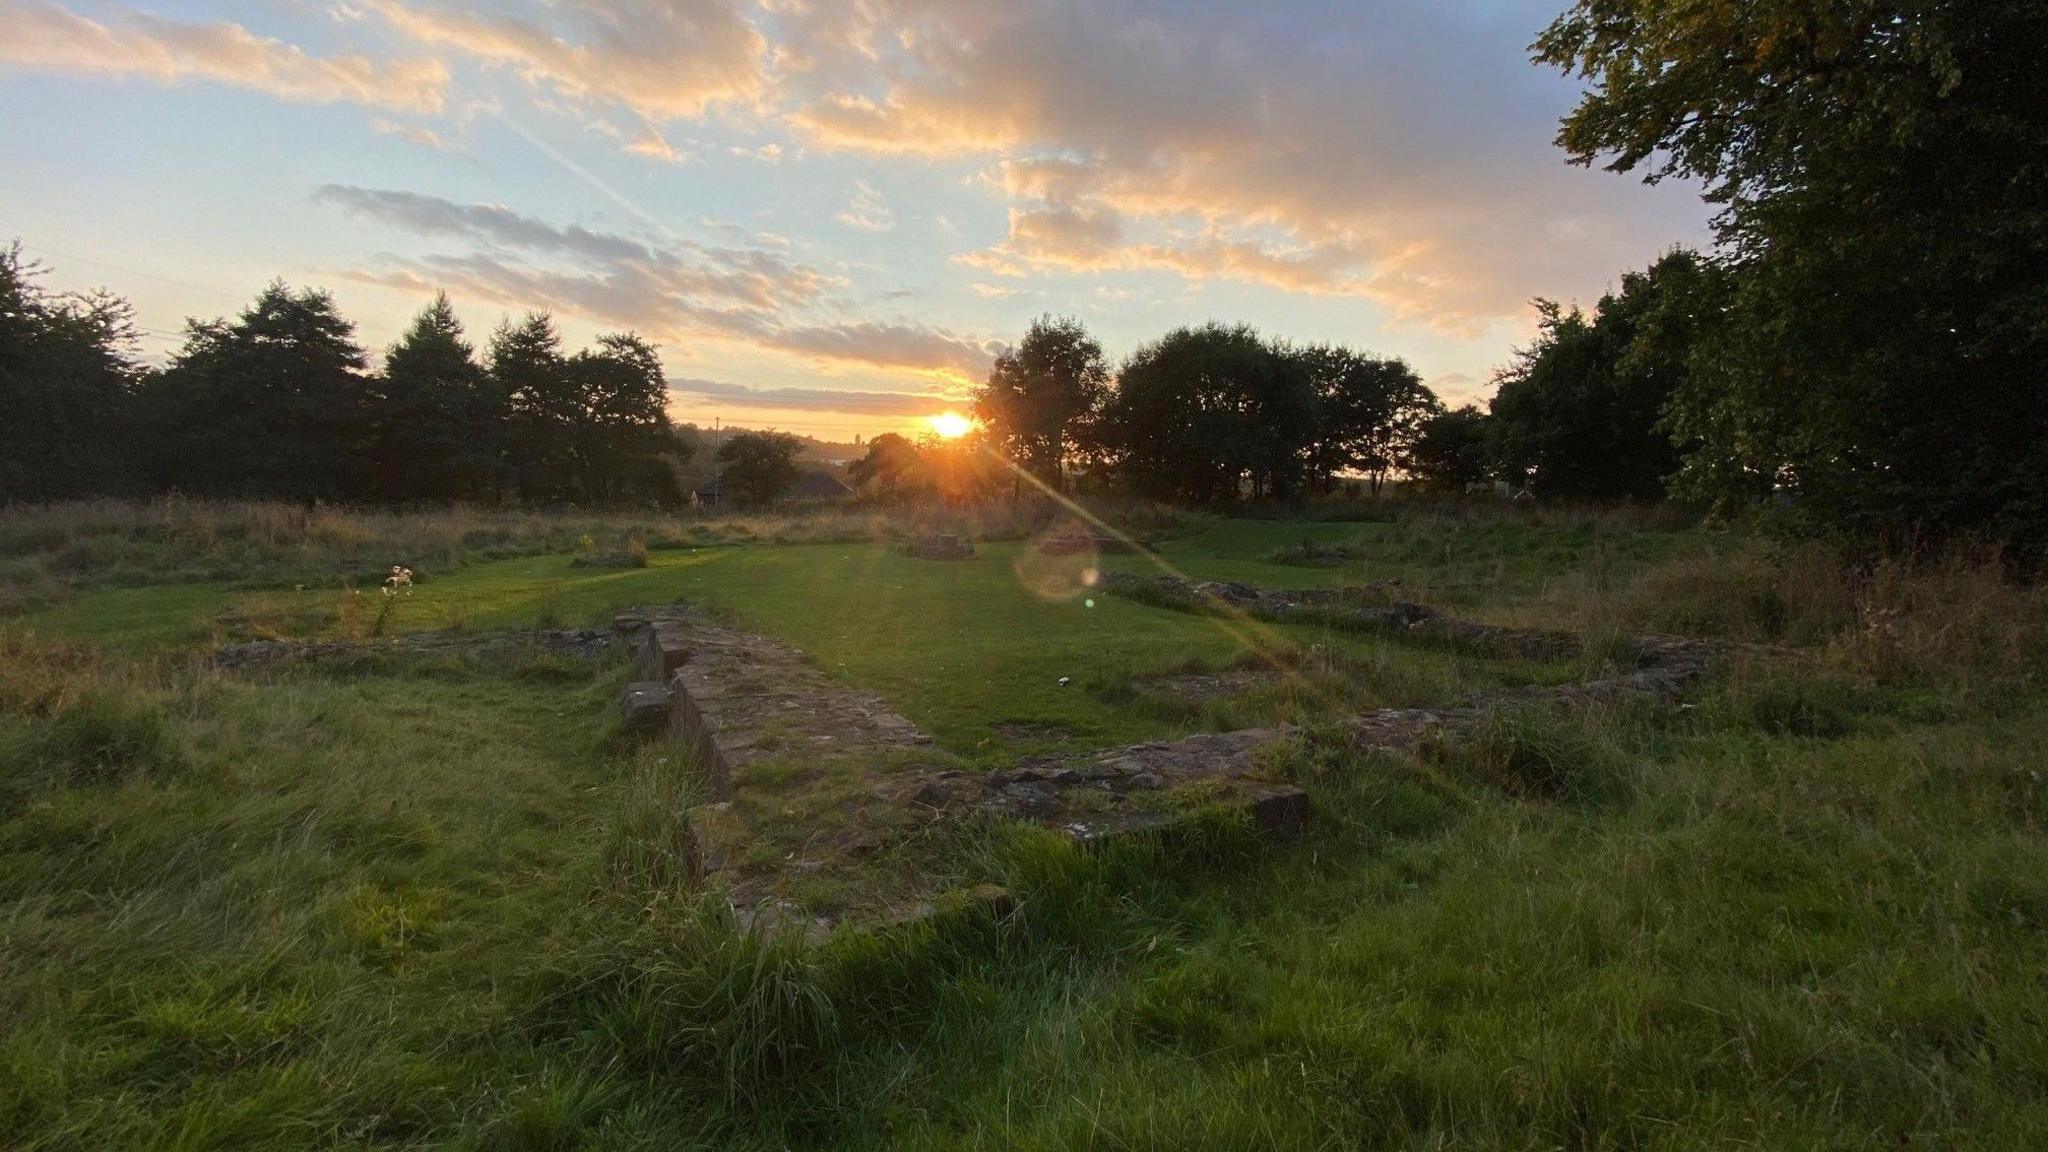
[131, 271]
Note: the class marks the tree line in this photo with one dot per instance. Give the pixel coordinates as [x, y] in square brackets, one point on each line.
[1201, 415]
[280, 402]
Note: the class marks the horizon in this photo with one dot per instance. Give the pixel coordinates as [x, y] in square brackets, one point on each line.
[829, 222]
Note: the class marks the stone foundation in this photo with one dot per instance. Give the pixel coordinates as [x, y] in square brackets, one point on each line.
[737, 697]
[588, 643]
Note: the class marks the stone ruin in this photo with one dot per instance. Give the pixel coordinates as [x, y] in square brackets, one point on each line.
[1358, 609]
[586, 643]
[737, 699]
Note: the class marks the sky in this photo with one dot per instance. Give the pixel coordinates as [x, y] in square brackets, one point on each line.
[831, 216]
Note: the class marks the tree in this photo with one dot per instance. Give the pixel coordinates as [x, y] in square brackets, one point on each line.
[1041, 393]
[760, 467]
[1580, 412]
[439, 422]
[1203, 414]
[961, 469]
[624, 444]
[1368, 411]
[542, 408]
[892, 465]
[274, 404]
[67, 376]
[1884, 220]
[1453, 450]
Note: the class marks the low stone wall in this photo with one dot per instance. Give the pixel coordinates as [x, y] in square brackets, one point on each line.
[736, 697]
[1400, 618]
[589, 643]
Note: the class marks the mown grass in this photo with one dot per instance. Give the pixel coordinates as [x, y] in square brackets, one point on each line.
[427, 902]
[967, 649]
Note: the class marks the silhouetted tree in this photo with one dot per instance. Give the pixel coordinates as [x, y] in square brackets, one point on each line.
[1368, 410]
[439, 424]
[624, 447]
[891, 466]
[1453, 450]
[759, 467]
[66, 380]
[273, 404]
[1041, 393]
[542, 407]
[1885, 220]
[1210, 413]
[1580, 411]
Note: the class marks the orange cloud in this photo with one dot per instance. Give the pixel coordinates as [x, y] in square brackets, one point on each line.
[664, 61]
[49, 36]
[1323, 133]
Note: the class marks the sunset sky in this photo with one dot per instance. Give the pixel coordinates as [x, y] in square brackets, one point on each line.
[830, 215]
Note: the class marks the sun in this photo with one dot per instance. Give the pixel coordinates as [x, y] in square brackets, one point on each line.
[950, 425]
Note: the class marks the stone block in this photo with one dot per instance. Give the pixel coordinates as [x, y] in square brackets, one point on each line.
[663, 648]
[1280, 810]
[644, 706]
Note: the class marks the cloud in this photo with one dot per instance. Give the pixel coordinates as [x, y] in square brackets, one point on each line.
[413, 134]
[652, 145]
[1456, 388]
[1092, 239]
[431, 215]
[1395, 151]
[744, 278]
[675, 290]
[867, 210]
[662, 61]
[916, 347]
[815, 399]
[49, 36]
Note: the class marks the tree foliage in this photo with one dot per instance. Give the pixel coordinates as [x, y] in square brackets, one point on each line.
[960, 469]
[1884, 223]
[1453, 450]
[891, 467]
[1580, 412]
[275, 403]
[1368, 412]
[1208, 414]
[1041, 393]
[280, 402]
[67, 375]
[759, 467]
[436, 429]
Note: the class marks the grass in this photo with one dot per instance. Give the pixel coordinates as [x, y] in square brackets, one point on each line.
[432, 902]
[965, 648]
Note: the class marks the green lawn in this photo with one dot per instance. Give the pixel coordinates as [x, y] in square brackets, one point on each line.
[381, 903]
[964, 648]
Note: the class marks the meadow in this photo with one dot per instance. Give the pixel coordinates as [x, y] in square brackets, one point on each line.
[432, 901]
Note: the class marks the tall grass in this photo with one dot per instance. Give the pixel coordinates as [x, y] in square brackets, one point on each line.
[407, 903]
